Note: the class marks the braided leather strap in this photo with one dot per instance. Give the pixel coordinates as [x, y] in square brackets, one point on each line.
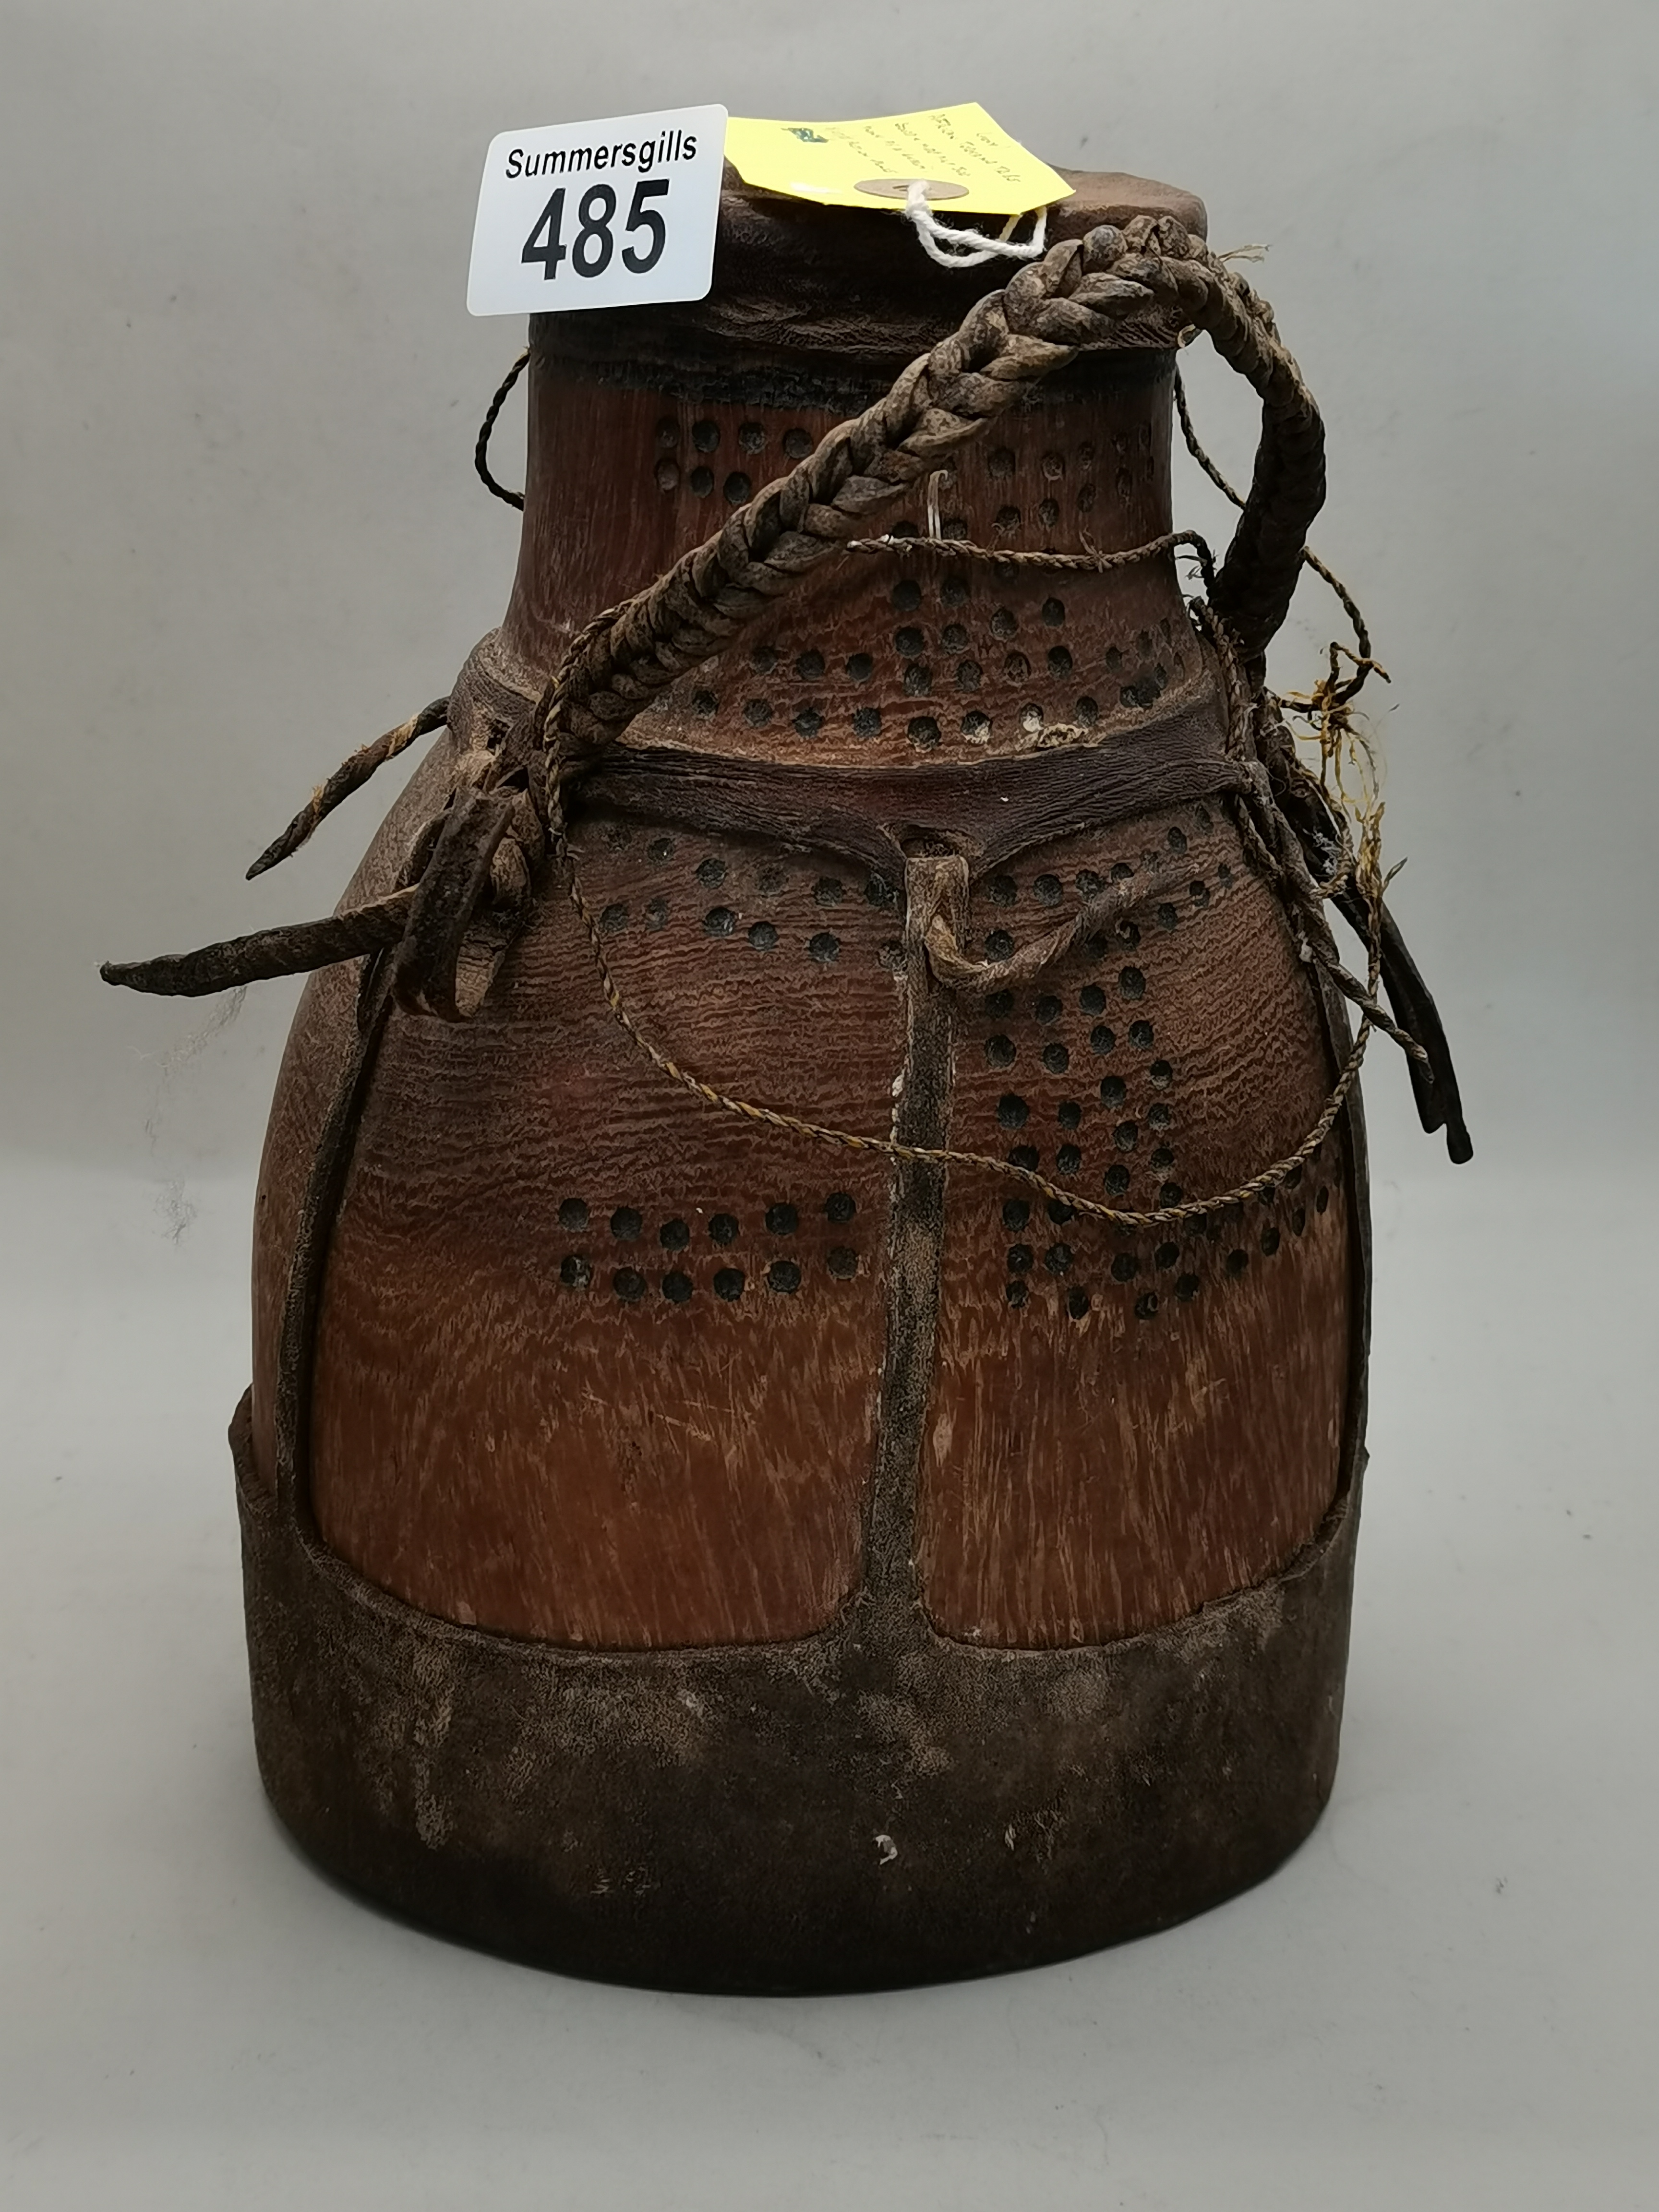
[1043, 317]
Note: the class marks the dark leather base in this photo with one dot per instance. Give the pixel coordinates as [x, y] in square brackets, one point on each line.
[863, 1809]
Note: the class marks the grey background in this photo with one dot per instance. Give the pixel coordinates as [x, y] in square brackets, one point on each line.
[240, 534]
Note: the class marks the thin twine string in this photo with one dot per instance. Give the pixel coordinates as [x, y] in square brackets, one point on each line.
[962, 247]
[1269, 1179]
[945, 1156]
[966, 248]
[1089, 561]
[1269, 838]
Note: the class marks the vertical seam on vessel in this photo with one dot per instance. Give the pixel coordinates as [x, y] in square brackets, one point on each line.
[889, 1605]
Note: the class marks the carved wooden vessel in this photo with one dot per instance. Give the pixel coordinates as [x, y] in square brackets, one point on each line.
[708, 1556]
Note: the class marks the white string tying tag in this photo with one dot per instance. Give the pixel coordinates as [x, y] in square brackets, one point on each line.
[968, 249]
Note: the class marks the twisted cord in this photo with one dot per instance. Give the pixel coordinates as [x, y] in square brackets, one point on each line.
[966, 248]
[1088, 562]
[772, 1117]
[944, 952]
[1056, 305]
[481, 451]
[1048, 312]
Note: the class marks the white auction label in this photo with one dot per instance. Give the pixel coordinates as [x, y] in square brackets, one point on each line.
[611, 213]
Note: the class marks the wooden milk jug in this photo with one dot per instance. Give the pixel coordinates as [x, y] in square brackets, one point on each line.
[809, 1271]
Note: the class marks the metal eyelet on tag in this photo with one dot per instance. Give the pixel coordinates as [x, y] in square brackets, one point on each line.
[898, 188]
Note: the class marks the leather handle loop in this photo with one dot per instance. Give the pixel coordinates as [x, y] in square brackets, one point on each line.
[1259, 573]
[1074, 297]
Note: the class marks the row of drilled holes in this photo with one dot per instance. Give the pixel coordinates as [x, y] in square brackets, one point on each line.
[1001, 462]
[738, 486]
[627, 1223]
[1003, 888]
[1058, 1258]
[910, 640]
[823, 946]
[1047, 1008]
[783, 1276]
[1013, 1112]
[1047, 888]
[954, 591]
[925, 732]
[721, 921]
[627, 1227]
[909, 643]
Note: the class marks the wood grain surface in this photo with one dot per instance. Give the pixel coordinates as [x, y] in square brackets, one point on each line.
[590, 1356]
[598, 1364]
[1125, 1425]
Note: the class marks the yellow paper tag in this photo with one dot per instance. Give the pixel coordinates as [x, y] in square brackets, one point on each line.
[967, 162]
